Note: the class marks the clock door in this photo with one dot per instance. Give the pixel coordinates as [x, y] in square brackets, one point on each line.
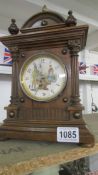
[45, 82]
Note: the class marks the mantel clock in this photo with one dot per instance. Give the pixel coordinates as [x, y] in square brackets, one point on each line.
[45, 79]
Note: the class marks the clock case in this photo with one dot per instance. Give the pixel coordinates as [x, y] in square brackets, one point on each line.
[46, 32]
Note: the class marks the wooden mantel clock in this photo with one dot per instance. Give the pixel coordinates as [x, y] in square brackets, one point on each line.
[45, 103]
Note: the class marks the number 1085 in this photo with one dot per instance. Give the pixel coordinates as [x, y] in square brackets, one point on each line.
[68, 134]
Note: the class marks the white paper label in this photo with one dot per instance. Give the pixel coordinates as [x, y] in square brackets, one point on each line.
[68, 134]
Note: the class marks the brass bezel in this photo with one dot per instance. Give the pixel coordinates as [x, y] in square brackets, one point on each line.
[25, 65]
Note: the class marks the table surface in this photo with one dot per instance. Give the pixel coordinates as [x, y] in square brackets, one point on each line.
[22, 156]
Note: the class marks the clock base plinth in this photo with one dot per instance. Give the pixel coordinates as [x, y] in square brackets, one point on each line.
[43, 133]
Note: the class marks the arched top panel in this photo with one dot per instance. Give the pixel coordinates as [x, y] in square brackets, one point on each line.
[44, 18]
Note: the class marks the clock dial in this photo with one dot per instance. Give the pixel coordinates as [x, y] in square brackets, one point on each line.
[43, 77]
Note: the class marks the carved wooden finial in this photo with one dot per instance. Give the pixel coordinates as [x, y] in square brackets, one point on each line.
[13, 29]
[44, 8]
[44, 22]
[71, 20]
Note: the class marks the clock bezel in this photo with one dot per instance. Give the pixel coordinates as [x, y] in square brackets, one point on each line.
[31, 59]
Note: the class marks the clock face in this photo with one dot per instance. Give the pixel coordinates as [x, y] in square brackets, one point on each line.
[43, 77]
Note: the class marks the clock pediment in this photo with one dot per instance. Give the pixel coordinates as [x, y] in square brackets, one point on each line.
[55, 37]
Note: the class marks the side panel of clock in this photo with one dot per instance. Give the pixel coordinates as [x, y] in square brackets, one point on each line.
[54, 111]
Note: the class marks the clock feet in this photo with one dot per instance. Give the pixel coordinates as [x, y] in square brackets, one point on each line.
[3, 138]
[86, 138]
[86, 145]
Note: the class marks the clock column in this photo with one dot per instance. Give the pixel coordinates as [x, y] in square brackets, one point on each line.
[75, 108]
[74, 46]
[14, 97]
[12, 109]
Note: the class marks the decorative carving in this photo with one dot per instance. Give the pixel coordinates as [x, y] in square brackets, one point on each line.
[65, 99]
[11, 114]
[65, 50]
[14, 49]
[44, 8]
[77, 115]
[14, 100]
[74, 46]
[14, 53]
[22, 100]
[44, 23]
[22, 54]
[12, 111]
[13, 29]
[71, 20]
